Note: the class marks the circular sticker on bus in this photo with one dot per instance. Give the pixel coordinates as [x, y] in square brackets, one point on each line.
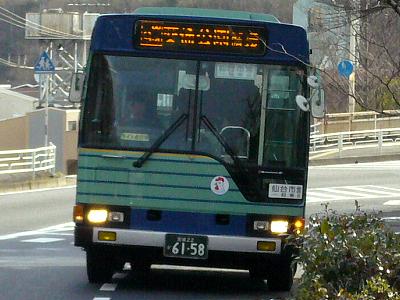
[219, 185]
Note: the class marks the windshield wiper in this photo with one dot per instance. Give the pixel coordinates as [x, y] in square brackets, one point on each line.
[243, 173]
[141, 160]
[223, 142]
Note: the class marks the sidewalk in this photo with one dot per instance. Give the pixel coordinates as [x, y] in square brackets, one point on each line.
[365, 153]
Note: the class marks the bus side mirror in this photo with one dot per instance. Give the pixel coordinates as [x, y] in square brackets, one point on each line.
[317, 97]
[75, 92]
[316, 102]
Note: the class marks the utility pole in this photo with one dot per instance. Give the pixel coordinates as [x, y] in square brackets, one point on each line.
[352, 82]
[353, 31]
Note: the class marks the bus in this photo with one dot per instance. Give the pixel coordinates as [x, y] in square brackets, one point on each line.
[193, 143]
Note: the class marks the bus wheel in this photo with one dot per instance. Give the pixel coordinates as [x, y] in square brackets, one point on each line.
[258, 273]
[141, 266]
[99, 266]
[280, 276]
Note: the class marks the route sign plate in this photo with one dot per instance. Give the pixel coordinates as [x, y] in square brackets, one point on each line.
[44, 65]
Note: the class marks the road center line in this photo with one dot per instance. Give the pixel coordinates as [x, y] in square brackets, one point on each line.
[392, 202]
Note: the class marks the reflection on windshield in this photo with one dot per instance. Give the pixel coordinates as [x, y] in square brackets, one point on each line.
[131, 103]
[233, 106]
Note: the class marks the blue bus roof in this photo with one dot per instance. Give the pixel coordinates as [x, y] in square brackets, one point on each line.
[207, 13]
[287, 44]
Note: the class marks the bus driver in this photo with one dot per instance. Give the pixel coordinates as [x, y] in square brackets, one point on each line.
[138, 112]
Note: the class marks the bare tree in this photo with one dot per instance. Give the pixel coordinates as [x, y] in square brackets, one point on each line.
[376, 55]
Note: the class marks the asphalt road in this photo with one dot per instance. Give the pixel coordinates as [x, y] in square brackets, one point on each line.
[38, 260]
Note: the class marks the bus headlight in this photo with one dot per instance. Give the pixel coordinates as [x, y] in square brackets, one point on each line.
[97, 215]
[279, 226]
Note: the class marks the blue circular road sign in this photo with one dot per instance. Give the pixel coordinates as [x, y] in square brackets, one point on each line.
[345, 68]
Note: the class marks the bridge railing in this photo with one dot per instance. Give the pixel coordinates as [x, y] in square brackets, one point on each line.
[28, 160]
[352, 139]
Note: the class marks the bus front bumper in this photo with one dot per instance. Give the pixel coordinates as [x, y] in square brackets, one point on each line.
[86, 236]
[223, 251]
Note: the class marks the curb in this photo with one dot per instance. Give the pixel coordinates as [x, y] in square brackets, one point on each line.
[353, 160]
[48, 182]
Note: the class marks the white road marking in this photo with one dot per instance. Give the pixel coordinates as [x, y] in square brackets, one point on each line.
[391, 218]
[39, 190]
[119, 275]
[351, 193]
[42, 240]
[60, 227]
[49, 249]
[101, 298]
[343, 191]
[108, 287]
[386, 188]
[317, 195]
[392, 202]
[58, 234]
[368, 190]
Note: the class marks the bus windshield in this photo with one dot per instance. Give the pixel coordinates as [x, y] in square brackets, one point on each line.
[232, 109]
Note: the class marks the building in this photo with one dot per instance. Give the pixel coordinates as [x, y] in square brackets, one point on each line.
[328, 33]
[14, 104]
[23, 127]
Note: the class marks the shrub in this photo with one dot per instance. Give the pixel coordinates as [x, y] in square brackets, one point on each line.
[349, 256]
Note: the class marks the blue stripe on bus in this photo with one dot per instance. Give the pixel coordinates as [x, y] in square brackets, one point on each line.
[160, 159]
[147, 172]
[188, 223]
[151, 184]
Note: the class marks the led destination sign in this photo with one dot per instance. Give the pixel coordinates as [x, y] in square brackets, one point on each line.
[182, 36]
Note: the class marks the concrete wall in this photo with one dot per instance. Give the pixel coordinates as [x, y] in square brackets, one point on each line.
[14, 134]
[55, 132]
[347, 122]
[28, 132]
[70, 152]
[14, 104]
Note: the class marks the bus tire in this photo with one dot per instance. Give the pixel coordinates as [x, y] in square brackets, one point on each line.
[99, 267]
[258, 273]
[280, 276]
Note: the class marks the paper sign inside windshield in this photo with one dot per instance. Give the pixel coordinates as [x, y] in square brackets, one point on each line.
[137, 137]
[286, 191]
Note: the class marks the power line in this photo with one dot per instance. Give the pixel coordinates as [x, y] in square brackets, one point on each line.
[21, 25]
[27, 23]
[16, 65]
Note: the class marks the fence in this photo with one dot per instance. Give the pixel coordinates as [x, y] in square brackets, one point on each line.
[353, 139]
[28, 160]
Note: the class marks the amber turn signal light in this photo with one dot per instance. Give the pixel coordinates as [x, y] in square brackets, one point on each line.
[78, 214]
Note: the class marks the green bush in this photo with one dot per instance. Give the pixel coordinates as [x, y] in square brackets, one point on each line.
[349, 256]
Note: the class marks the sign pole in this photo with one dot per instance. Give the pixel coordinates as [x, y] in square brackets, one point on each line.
[46, 113]
[44, 65]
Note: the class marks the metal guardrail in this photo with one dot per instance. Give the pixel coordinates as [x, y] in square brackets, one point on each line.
[353, 139]
[28, 160]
